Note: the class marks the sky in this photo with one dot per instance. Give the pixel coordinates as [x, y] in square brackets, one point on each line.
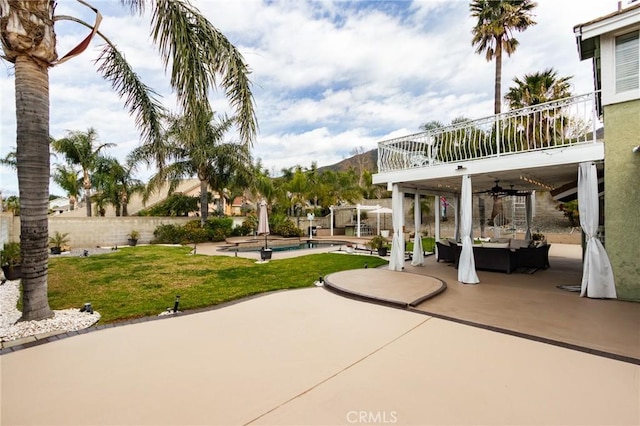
[327, 76]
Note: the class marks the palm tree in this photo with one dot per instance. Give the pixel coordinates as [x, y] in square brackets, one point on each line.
[537, 88]
[540, 127]
[67, 178]
[196, 53]
[116, 184]
[79, 148]
[493, 33]
[196, 149]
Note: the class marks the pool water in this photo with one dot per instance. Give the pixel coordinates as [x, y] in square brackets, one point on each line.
[301, 246]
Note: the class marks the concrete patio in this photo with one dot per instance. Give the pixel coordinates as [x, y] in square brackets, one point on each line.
[527, 305]
[311, 357]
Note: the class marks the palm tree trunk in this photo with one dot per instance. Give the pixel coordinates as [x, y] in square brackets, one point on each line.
[32, 117]
[87, 192]
[204, 202]
[497, 100]
[124, 201]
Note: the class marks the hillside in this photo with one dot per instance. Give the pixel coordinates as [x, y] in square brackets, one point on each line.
[367, 160]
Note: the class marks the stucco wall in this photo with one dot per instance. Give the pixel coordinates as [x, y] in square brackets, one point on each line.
[85, 232]
[622, 196]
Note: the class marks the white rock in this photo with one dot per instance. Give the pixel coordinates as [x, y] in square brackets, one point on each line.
[64, 320]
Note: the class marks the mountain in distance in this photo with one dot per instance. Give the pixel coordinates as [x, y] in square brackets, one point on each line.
[368, 160]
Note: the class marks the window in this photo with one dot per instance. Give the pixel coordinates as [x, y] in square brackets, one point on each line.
[627, 62]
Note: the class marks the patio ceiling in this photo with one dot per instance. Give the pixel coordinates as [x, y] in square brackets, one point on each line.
[539, 179]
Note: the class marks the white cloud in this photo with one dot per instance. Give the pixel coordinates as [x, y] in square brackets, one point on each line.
[327, 77]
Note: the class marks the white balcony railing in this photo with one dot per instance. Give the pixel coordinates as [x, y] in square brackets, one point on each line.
[551, 125]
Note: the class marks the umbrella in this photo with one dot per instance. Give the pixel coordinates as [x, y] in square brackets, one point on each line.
[381, 210]
[263, 222]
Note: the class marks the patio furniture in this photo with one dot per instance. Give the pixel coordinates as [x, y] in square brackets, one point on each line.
[501, 259]
[447, 252]
[533, 257]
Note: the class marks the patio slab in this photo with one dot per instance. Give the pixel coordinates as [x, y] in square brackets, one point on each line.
[526, 305]
[309, 357]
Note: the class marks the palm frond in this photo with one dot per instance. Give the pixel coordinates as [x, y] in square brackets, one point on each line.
[197, 53]
[139, 98]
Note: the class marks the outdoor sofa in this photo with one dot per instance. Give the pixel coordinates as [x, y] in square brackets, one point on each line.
[499, 256]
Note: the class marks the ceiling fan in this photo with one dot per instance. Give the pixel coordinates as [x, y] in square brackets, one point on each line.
[498, 191]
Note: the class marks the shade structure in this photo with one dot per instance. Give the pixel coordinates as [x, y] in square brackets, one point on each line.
[396, 263]
[263, 221]
[418, 253]
[381, 211]
[597, 274]
[467, 265]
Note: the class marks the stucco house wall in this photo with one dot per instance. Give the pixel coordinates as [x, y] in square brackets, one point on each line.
[622, 196]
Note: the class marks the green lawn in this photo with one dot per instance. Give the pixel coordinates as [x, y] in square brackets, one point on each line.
[143, 281]
[428, 244]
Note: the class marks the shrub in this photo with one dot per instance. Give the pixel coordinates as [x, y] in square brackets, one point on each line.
[248, 227]
[174, 205]
[286, 228]
[218, 228]
[168, 234]
[194, 233]
[571, 212]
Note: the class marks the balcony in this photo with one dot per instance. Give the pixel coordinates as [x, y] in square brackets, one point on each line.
[551, 126]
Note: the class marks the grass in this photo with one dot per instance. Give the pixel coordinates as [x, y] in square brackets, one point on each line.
[428, 244]
[144, 281]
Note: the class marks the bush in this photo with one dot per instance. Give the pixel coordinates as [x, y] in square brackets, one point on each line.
[218, 228]
[286, 228]
[571, 212]
[194, 233]
[168, 234]
[248, 227]
[174, 205]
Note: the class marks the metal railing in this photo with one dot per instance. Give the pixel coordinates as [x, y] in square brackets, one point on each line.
[551, 125]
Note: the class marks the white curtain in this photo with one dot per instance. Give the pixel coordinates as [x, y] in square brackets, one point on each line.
[597, 275]
[466, 265]
[529, 214]
[418, 253]
[456, 206]
[396, 263]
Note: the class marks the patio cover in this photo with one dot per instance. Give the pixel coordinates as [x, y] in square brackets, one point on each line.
[418, 252]
[597, 275]
[378, 211]
[467, 266]
[396, 263]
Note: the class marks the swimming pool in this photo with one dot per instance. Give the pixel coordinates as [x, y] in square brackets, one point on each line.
[297, 246]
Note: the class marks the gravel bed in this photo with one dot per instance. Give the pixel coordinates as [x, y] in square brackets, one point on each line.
[62, 320]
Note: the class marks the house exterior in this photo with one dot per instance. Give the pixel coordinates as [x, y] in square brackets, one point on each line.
[549, 147]
[612, 43]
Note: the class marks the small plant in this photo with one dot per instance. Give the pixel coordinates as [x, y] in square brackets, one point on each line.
[10, 255]
[378, 242]
[571, 212]
[11, 260]
[538, 236]
[133, 238]
[58, 240]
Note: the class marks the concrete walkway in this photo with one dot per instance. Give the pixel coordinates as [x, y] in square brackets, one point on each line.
[310, 357]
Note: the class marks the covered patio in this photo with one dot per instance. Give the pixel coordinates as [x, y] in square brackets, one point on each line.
[525, 305]
[541, 147]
